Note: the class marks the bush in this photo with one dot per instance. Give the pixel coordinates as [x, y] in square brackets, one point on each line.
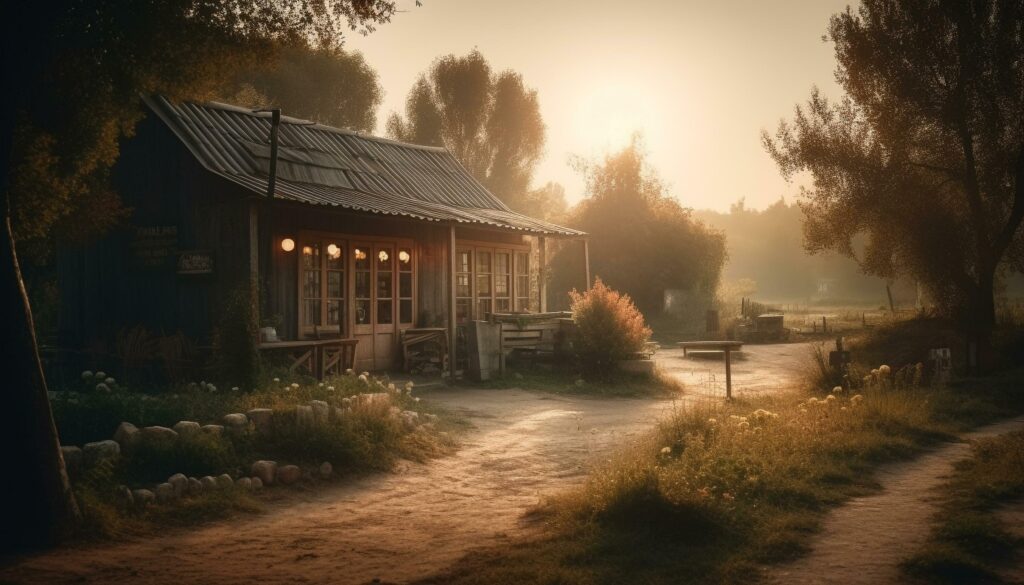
[236, 357]
[609, 328]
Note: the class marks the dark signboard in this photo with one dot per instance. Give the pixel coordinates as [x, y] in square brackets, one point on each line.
[195, 262]
[154, 246]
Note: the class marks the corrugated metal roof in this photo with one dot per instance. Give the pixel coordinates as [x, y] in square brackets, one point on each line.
[321, 165]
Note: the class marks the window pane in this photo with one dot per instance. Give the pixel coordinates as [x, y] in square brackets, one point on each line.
[335, 258]
[503, 305]
[483, 308]
[462, 285]
[483, 285]
[405, 311]
[362, 285]
[462, 310]
[384, 316]
[405, 284]
[463, 264]
[362, 259]
[312, 312]
[522, 262]
[334, 284]
[384, 259]
[311, 256]
[502, 263]
[501, 286]
[405, 259]
[311, 284]
[523, 304]
[334, 312]
[523, 286]
[483, 261]
[363, 312]
[384, 280]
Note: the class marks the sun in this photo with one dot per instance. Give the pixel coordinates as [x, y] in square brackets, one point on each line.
[607, 115]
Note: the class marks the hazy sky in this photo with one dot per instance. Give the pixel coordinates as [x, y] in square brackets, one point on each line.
[699, 79]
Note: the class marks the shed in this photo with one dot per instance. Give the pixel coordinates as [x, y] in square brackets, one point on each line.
[336, 231]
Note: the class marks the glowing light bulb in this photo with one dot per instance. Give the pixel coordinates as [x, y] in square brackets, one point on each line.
[404, 257]
[383, 255]
[287, 244]
[333, 251]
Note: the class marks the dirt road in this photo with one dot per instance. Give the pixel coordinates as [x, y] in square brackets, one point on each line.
[401, 526]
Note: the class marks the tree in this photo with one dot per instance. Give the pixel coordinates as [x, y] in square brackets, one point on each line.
[323, 84]
[924, 156]
[490, 122]
[642, 241]
[73, 71]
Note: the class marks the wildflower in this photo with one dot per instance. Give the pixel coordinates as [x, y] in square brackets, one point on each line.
[408, 386]
[330, 388]
[666, 450]
[837, 390]
[830, 398]
[110, 381]
[884, 370]
[101, 376]
[349, 372]
[321, 385]
[875, 372]
[391, 388]
[277, 380]
[211, 388]
[101, 387]
[367, 374]
[743, 425]
[363, 379]
[417, 399]
[294, 386]
[857, 398]
[86, 375]
[842, 408]
[712, 421]
[234, 388]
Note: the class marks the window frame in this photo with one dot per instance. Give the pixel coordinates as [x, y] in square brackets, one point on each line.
[515, 296]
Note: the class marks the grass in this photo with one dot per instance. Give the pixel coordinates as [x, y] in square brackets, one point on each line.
[559, 380]
[366, 438]
[968, 541]
[717, 490]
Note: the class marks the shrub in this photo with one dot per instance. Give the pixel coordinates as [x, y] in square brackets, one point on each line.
[236, 357]
[609, 328]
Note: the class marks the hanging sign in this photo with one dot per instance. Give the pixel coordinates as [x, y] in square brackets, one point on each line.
[195, 262]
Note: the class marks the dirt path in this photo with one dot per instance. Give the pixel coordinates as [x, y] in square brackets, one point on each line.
[401, 526]
[756, 369]
[864, 540]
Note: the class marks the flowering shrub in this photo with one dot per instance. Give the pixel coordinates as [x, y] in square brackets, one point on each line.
[609, 328]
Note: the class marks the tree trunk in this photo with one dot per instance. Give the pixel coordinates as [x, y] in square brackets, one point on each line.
[38, 505]
[981, 356]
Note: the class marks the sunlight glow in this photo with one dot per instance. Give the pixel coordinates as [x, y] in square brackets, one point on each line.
[607, 115]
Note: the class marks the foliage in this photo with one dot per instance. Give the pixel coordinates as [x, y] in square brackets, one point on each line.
[718, 489]
[968, 542]
[490, 122]
[609, 329]
[322, 84]
[642, 241]
[153, 461]
[924, 156]
[234, 341]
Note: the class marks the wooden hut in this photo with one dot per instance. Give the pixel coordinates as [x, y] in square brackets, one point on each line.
[336, 231]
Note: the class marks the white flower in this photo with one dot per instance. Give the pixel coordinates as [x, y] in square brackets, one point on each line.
[294, 385]
[211, 387]
[101, 376]
[363, 379]
[234, 388]
[349, 372]
[837, 390]
[884, 370]
[321, 385]
[367, 374]
[86, 375]
[330, 388]
[712, 421]
[408, 386]
[417, 399]
[666, 450]
[110, 381]
[830, 398]
[857, 398]
[276, 380]
[101, 387]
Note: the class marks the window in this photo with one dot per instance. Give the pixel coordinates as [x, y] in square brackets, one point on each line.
[522, 281]
[361, 267]
[385, 285]
[490, 280]
[405, 286]
[323, 285]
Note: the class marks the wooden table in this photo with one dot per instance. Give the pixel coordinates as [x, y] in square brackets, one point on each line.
[726, 347]
[319, 356]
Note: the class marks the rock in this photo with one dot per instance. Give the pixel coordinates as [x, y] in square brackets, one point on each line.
[159, 434]
[262, 419]
[126, 500]
[224, 481]
[187, 428]
[288, 474]
[257, 484]
[180, 483]
[304, 416]
[265, 470]
[410, 418]
[143, 498]
[209, 484]
[245, 483]
[164, 493]
[326, 470]
[321, 410]
[127, 435]
[216, 430]
[195, 487]
[235, 421]
[72, 459]
[93, 453]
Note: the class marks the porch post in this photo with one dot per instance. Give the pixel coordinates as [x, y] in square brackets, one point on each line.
[451, 301]
[542, 274]
[586, 260]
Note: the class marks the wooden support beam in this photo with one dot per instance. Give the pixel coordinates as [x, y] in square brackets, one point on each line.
[542, 274]
[728, 373]
[586, 261]
[451, 300]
